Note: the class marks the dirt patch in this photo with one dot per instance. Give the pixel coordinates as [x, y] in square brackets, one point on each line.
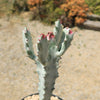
[79, 74]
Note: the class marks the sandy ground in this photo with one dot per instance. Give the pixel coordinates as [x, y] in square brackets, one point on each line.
[79, 74]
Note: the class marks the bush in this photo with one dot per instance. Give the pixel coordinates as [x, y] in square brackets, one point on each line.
[32, 4]
[52, 10]
[47, 11]
[71, 12]
[94, 6]
[76, 11]
[19, 5]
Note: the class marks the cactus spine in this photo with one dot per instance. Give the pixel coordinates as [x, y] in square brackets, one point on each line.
[50, 48]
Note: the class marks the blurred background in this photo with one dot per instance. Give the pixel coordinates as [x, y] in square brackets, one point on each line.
[71, 12]
[79, 74]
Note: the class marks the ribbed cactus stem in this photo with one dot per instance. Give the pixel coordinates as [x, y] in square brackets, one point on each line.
[47, 77]
[50, 48]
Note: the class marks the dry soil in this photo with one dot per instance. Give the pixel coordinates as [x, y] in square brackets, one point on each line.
[79, 74]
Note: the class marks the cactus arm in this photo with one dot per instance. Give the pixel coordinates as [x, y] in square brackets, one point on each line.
[58, 32]
[66, 42]
[62, 50]
[42, 49]
[27, 39]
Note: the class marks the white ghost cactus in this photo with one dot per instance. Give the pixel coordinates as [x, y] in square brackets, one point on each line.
[50, 48]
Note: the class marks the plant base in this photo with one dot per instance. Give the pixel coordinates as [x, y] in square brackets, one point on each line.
[36, 97]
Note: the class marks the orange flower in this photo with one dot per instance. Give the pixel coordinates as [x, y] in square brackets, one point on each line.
[75, 10]
[32, 3]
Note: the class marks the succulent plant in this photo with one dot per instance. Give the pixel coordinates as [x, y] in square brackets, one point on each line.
[50, 48]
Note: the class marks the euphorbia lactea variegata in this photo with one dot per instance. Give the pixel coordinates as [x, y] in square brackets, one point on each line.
[50, 48]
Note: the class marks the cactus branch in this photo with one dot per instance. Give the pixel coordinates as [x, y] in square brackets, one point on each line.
[58, 32]
[27, 39]
[42, 53]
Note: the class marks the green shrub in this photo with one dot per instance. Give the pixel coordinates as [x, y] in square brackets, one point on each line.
[94, 6]
[71, 12]
[19, 5]
[48, 12]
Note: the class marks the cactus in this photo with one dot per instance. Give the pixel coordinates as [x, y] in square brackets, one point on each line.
[50, 48]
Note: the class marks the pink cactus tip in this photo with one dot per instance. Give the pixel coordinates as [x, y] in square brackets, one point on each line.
[60, 21]
[50, 35]
[42, 36]
[70, 32]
